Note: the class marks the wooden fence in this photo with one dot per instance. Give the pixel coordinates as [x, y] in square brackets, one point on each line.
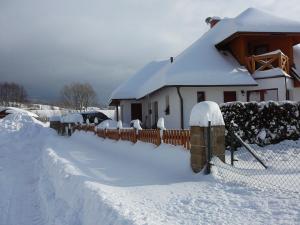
[156, 137]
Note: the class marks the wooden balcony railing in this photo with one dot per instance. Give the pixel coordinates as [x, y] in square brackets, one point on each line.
[268, 61]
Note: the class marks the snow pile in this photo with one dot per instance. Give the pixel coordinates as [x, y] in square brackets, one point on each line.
[14, 110]
[72, 118]
[161, 123]
[136, 124]
[119, 124]
[262, 123]
[204, 112]
[108, 124]
[120, 183]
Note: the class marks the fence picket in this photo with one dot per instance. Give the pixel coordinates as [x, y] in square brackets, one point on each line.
[173, 137]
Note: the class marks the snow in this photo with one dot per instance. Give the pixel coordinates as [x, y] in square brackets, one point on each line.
[136, 124]
[18, 110]
[83, 179]
[275, 72]
[119, 124]
[204, 112]
[128, 90]
[255, 20]
[72, 118]
[161, 123]
[112, 124]
[296, 51]
[110, 113]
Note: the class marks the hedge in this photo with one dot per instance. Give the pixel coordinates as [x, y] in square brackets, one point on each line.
[262, 123]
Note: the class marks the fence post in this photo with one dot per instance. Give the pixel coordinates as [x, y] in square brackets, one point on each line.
[208, 145]
[207, 139]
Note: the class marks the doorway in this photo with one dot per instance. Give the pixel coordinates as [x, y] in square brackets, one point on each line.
[136, 111]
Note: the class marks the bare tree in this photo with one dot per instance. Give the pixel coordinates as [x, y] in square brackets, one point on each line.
[12, 94]
[78, 96]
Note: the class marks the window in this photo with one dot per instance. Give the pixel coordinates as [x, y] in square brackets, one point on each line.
[167, 110]
[200, 96]
[229, 96]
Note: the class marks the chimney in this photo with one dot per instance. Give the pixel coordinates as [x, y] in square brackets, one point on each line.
[172, 59]
[212, 20]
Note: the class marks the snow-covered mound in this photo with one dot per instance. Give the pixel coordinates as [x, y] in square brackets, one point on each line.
[108, 124]
[204, 112]
[72, 118]
[14, 110]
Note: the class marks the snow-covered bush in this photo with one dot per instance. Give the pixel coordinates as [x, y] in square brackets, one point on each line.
[108, 124]
[161, 123]
[262, 123]
[119, 124]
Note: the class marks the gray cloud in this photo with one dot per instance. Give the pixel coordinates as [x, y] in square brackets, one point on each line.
[46, 44]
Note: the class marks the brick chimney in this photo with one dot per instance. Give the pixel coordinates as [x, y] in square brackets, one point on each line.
[212, 20]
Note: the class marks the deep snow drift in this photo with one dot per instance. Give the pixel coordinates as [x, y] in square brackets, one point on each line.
[53, 180]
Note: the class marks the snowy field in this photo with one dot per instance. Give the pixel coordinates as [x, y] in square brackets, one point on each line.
[46, 179]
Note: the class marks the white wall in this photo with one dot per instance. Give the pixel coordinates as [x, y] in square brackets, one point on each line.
[189, 95]
[273, 83]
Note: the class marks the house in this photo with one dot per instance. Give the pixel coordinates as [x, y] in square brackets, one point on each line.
[252, 57]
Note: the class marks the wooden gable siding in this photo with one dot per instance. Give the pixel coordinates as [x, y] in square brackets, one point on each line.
[242, 46]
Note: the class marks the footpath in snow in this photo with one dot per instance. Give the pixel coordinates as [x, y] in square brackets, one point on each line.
[83, 179]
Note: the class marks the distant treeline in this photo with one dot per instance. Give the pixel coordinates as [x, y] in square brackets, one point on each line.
[12, 93]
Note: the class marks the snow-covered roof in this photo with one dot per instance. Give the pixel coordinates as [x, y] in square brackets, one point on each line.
[202, 64]
[256, 20]
[129, 89]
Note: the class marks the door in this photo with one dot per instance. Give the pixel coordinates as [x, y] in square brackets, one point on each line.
[136, 111]
[229, 96]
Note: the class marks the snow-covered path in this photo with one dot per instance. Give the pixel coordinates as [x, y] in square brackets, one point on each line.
[20, 153]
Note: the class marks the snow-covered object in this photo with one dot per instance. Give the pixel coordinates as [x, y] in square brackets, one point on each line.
[96, 120]
[262, 123]
[54, 118]
[161, 123]
[14, 110]
[137, 124]
[119, 124]
[72, 118]
[87, 121]
[206, 111]
[107, 124]
[275, 72]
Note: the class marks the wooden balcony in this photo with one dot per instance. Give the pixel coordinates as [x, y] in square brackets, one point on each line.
[268, 61]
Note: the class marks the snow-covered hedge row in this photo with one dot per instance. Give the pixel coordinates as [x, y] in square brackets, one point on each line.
[262, 123]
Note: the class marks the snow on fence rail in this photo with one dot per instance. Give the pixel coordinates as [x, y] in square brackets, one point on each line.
[154, 136]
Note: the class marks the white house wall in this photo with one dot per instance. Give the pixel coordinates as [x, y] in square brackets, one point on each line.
[271, 83]
[189, 95]
[215, 94]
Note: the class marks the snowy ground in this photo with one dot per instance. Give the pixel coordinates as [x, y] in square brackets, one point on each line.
[52, 180]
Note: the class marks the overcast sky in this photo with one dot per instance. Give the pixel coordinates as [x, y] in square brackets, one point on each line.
[46, 44]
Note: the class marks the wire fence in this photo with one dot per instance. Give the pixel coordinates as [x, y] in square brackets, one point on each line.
[273, 166]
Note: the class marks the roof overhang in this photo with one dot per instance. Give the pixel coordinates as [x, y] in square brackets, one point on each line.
[114, 101]
[295, 35]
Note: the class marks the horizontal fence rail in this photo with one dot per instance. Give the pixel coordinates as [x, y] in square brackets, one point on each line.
[153, 136]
